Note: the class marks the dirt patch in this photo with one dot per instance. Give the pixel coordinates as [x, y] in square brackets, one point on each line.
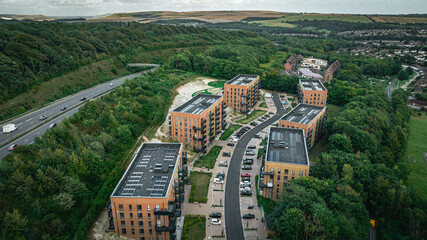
[100, 229]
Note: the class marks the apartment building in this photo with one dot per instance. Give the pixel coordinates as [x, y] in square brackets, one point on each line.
[312, 92]
[329, 73]
[147, 200]
[242, 92]
[311, 118]
[314, 63]
[286, 159]
[291, 63]
[198, 121]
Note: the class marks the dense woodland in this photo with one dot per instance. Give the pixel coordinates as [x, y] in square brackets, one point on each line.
[32, 53]
[56, 187]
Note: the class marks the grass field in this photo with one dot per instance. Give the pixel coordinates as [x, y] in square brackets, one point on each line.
[204, 91]
[208, 160]
[263, 105]
[414, 159]
[398, 19]
[255, 115]
[283, 21]
[230, 130]
[217, 84]
[199, 182]
[194, 227]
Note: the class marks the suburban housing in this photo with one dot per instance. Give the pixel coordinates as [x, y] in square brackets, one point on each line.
[311, 118]
[286, 159]
[198, 121]
[312, 91]
[147, 200]
[242, 92]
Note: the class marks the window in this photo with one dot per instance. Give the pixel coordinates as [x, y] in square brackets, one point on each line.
[300, 173]
[140, 224]
[278, 184]
[285, 178]
[131, 215]
[131, 224]
[149, 215]
[123, 223]
[141, 232]
[121, 207]
[159, 223]
[133, 231]
[157, 216]
[122, 215]
[278, 177]
[148, 207]
[149, 224]
[278, 170]
[139, 207]
[150, 231]
[123, 230]
[286, 171]
[130, 207]
[293, 173]
[139, 215]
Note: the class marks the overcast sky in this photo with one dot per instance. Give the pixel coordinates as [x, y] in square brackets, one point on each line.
[100, 7]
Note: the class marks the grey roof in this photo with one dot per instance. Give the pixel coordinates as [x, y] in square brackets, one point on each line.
[312, 84]
[307, 72]
[287, 145]
[303, 113]
[242, 79]
[150, 172]
[198, 104]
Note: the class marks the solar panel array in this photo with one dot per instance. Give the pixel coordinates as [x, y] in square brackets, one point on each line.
[198, 104]
[159, 186]
[312, 85]
[303, 113]
[242, 80]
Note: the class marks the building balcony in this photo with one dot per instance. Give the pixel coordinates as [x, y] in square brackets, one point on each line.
[217, 118]
[165, 211]
[199, 139]
[170, 228]
[211, 124]
[267, 173]
[224, 106]
[268, 185]
[203, 121]
[224, 115]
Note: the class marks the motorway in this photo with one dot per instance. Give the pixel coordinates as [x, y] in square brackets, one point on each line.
[29, 125]
[233, 218]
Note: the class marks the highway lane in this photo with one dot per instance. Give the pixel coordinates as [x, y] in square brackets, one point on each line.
[31, 120]
[233, 218]
[55, 115]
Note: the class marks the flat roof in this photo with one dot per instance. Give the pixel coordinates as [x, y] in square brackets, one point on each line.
[309, 73]
[303, 113]
[198, 104]
[287, 145]
[312, 84]
[242, 79]
[150, 173]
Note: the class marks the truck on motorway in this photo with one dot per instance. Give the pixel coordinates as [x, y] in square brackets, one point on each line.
[9, 128]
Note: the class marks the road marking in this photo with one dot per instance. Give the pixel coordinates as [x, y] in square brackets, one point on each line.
[29, 119]
[25, 140]
[18, 124]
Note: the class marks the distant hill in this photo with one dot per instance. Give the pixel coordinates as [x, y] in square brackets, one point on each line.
[268, 16]
[22, 17]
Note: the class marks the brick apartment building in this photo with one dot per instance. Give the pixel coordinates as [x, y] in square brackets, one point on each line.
[312, 91]
[242, 92]
[311, 118]
[286, 159]
[147, 200]
[291, 63]
[198, 121]
[329, 73]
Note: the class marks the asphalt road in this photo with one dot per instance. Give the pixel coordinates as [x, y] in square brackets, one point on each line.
[233, 218]
[29, 125]
[389, 88]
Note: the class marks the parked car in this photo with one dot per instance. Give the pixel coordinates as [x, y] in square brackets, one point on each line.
[250, 152]
[226, 154]
[263, 118]
[244, 185]
[246, 167]
[215, 215]
[42, 117]
[63, 108]
[230, 144]
[247, 192]
[248, 216]
[252, 146]
[222, 163]
[257, 136]
[246, 178]
[260, 119]
[254, 123]
[245, 189]
[52, 125]
[271, 112]
[248, 162]
[220, 175]
[12, 147]
[215, 221]
[218, 180]
[245, 175]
